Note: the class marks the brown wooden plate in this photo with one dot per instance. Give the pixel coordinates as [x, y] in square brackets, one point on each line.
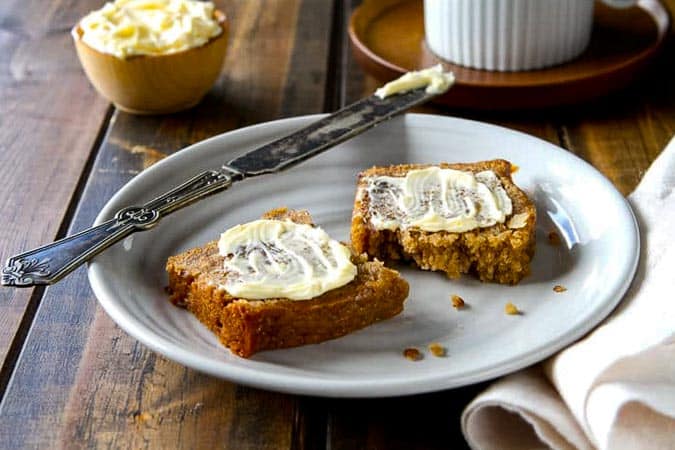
[387, 38]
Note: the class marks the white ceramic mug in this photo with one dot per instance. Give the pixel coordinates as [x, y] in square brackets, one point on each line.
[510, 35]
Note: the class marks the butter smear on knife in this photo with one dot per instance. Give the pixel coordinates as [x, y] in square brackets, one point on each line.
[435, 80]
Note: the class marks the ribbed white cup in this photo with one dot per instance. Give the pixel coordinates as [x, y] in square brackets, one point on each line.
[508, 35]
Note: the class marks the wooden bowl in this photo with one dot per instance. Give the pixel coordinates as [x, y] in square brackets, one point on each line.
[155, 84]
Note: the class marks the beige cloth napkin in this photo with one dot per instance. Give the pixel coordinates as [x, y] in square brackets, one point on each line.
[615, 388]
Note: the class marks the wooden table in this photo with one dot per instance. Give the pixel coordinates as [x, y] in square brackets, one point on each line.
[69, 376]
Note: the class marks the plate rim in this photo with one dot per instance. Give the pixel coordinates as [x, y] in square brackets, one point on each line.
[303, 384]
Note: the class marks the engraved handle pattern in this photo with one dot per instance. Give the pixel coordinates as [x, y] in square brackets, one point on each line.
[50, 263]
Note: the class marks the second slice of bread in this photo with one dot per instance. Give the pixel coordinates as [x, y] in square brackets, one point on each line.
[500, 253]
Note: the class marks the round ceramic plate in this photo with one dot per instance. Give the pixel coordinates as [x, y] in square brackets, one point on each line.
[595, 261]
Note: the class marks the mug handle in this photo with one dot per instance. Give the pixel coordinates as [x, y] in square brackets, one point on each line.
[620, 3]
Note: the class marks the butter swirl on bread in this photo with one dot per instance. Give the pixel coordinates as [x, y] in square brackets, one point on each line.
[275, 258]
[435, 199]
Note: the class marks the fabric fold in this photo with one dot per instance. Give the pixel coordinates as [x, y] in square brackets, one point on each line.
[615, 388]
[522, 411]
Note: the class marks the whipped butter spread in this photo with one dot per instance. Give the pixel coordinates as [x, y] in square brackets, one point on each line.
[273, 258]
[433, 78]
[149, 27]
[435, 199]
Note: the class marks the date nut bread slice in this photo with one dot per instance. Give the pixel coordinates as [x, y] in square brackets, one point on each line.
[197, 280]
[470, 219]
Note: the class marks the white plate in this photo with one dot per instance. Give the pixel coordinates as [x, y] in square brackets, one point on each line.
[596, 262]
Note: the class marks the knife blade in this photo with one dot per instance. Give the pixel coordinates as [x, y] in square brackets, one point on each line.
[50, 263]
[325, 133]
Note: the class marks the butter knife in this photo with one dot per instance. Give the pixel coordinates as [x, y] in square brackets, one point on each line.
[50, 263]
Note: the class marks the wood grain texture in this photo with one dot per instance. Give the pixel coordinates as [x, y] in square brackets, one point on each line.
[81, 381]
[424, 422]
[49, 119]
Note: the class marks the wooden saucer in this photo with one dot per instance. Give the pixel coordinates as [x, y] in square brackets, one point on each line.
[387, 39]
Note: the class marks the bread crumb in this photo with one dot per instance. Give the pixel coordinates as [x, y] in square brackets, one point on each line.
[511, 309]
[553, 238]
[514, 168]
[559, 288]
[412, 354]
[457, 301]
[437, 349]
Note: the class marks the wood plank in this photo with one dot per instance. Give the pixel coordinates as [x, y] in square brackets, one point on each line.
[424, 422]
[49, 120]
[80, 379]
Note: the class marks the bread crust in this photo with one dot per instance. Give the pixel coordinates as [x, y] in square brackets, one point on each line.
[496, 254]
[249, 326]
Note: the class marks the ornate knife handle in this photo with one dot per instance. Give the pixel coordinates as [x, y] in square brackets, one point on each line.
[50, 263]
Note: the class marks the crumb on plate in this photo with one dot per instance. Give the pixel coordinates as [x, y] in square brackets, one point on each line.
[511, 309]
[437, 349]
[457, 301]
[559, 288]
[412, 354]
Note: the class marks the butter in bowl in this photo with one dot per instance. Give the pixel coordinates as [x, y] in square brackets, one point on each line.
[152, 56]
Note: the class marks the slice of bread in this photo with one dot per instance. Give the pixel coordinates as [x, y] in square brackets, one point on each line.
[250, 326]
[500, 253]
